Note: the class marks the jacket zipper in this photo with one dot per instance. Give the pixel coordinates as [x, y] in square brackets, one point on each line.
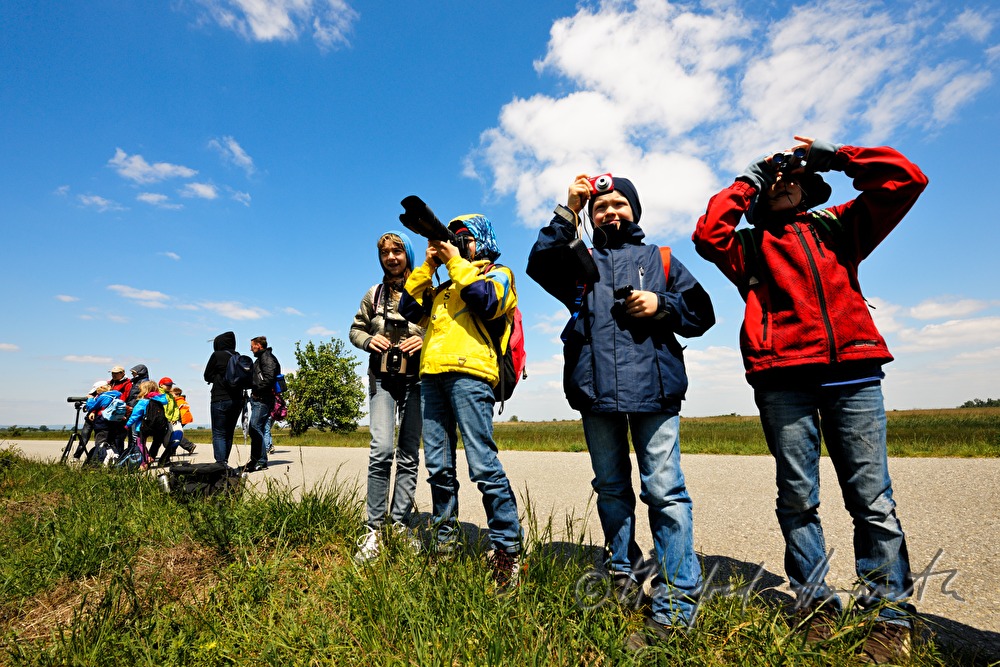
[820, 296]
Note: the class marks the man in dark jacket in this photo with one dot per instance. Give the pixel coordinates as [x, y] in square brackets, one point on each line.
[625, 372]
[265, 373]
[227, 402]
[814, 359]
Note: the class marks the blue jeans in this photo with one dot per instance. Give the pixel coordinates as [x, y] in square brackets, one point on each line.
[225, 415]
[852, 421]
[268, 442]
[655, 437]
[260, 414]
[383, 409]
[456, 399]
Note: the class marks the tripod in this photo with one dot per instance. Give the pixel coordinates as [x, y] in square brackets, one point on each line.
[75, 435]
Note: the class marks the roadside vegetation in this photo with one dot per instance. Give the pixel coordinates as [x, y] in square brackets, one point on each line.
[102, 567]
[957, 432]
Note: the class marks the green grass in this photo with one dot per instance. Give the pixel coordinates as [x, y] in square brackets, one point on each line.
[101, 567]
[958, 432]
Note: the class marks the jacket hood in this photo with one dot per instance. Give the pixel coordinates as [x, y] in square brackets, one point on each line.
[158, 397]
[482, 230]
[140, 371]
[407, 247]
[224, 341]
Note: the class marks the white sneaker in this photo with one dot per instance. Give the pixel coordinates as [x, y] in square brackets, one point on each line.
[368, 547]
[408, 537]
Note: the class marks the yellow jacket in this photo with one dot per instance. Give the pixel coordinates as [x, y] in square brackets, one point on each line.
[457, 337]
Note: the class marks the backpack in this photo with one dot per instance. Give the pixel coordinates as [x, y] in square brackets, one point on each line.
[171, 410]
[116, 411]
[511, 362]
[192, 480]
[154, 420]
[239, 371]
[280, 409]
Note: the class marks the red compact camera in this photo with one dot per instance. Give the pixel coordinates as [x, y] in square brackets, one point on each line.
[600, 185]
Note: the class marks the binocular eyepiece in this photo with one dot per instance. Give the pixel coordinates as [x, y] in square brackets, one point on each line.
[789, 160]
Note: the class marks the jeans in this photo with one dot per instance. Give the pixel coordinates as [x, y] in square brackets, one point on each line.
[383, 409]
[225, 416]
[268, 442]
[456, 399]
[852, 421]
[260, 414]
[655, 437]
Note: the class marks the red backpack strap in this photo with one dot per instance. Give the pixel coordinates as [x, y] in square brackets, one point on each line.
[665, 256]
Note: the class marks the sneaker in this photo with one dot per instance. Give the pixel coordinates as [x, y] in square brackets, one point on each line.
[189, 448]
[368, 547]
[408, 537]
[817, 621]
[505, 568]
[650, 634]
[887, 643]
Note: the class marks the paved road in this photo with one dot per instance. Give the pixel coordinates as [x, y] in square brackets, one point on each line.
[948, 507]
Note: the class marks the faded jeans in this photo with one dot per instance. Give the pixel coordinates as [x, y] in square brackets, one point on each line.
[457, 400]
[852, 421]
[656, 439]
[383, 410]
[225, 415]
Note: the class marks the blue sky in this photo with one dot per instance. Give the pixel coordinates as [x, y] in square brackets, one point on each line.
[170, 171]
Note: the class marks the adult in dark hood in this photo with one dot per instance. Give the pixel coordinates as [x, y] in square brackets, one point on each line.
[625, 373]
[227, 402]
[139, 375]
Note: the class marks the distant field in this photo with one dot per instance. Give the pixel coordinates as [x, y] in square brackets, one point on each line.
[958, 432]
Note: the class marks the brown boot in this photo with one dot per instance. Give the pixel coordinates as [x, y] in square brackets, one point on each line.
[817, 621]
[887, 643]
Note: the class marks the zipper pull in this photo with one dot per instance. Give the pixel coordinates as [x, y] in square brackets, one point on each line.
[642, 272]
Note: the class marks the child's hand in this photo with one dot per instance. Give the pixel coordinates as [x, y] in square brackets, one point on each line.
[642, 304]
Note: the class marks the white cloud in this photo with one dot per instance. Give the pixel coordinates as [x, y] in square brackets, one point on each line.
[86, 359]
[61, 191]
[234, 310]
[241, 197]
[9, 347]
[970, 24]
[158, 200]
[680, 97]
[329, 21]
[135, 168]
[100, 203]
[200, 190]
[952, 335]
[935, 309]
[232, 152]
[171, 255]
[291, 311]
[66, 298]
[320, 330]
[145, 298]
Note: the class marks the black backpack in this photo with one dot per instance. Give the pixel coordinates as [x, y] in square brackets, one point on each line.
[193, 480]
[154, 421]
[239, 371]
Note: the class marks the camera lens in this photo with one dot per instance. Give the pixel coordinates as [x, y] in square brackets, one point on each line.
[602, 183]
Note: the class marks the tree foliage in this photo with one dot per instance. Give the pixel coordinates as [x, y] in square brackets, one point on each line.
[980, 403]
[325, 392]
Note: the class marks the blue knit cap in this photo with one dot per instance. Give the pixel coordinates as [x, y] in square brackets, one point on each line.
[627, 190]
[407, 247]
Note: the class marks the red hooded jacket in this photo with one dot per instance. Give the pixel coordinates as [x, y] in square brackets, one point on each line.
[798, 273]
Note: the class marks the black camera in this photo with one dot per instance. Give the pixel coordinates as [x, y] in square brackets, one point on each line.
[419, 218]
[623, 292]
[789, 160]
[393, 361]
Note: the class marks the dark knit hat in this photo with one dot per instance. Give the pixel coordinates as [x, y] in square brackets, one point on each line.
[816, 190]
[627, 190]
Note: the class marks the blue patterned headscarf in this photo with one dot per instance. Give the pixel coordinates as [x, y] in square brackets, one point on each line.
[481, 229]
[407, 248]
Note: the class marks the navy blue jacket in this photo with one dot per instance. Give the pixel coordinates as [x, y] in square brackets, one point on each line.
[615, 362]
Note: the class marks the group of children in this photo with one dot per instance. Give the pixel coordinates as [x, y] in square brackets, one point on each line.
[133, 420]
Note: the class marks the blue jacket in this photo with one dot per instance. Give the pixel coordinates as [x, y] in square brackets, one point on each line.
[97, 404]
[139, 411]
[615, 362]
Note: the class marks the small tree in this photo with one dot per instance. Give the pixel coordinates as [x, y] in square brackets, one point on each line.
[325, 392]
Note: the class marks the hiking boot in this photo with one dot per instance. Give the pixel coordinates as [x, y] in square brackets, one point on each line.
[188, 447]
[650, 634]
[368, 547]
[887, 643]
[817, 621]
[505, 568]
